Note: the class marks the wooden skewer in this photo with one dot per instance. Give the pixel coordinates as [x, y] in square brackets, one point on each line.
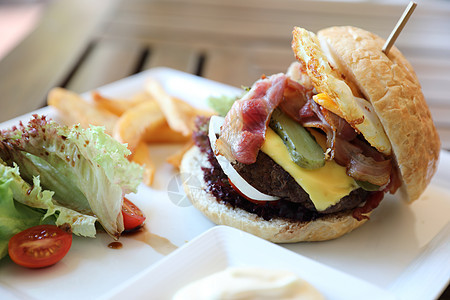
[398, 28]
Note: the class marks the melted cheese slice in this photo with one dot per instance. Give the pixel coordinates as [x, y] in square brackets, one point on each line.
[325, 186]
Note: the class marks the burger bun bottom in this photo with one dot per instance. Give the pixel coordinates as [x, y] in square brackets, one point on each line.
[276, 230]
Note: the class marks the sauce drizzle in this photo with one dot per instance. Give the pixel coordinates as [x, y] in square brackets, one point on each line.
[158, 243]
[115, 245]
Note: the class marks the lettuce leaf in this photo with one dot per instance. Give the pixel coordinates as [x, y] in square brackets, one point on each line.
[85, 168]
[15, 216]
[221, 104]
[33, 196]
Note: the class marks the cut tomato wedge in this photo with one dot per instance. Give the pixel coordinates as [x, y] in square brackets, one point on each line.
[133, 218]
[39, 246]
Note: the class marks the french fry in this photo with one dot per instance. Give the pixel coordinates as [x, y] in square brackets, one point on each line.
[152, 116]
[118, 106]
[163, 134]
[77, 110]
[175, 159]
[191, 112]
[141, 156]
[142, 97]
[204, 112]
[179, 114]
[135, 121]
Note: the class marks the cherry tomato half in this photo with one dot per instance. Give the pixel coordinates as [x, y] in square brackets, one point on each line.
[39, 246]
[133, 218]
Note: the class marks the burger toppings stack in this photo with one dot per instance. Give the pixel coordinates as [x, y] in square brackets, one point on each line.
[307, 155]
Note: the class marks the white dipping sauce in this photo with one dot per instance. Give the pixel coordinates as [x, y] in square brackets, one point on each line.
[249, 283]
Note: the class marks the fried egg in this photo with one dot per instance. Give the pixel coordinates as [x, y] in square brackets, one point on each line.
[334, 93]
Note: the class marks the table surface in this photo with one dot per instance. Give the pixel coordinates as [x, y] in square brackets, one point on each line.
[83, 44]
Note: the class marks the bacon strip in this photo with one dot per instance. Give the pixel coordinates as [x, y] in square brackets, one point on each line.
[243, 132]
[395, 181]
[319, 120]
[295, 96]
[361, 163]
[372, 202]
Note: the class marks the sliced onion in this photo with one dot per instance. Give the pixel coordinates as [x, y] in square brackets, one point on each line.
[243, 186]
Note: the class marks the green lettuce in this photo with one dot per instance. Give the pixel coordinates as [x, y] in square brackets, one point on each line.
[221, 104]
[34, 196]
[15, 216]
[86, 171]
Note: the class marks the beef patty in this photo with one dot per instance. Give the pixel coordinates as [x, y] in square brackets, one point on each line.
[270, 178]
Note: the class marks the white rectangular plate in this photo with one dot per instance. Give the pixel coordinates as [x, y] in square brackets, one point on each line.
[222, 247]
[403, 248]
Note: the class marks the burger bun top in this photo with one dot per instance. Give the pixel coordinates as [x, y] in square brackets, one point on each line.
[390, 84]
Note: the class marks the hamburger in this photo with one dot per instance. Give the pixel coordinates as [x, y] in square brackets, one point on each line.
[309, 154]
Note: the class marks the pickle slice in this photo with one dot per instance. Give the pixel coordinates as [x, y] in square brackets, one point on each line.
[368, 186]
[302, 147]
